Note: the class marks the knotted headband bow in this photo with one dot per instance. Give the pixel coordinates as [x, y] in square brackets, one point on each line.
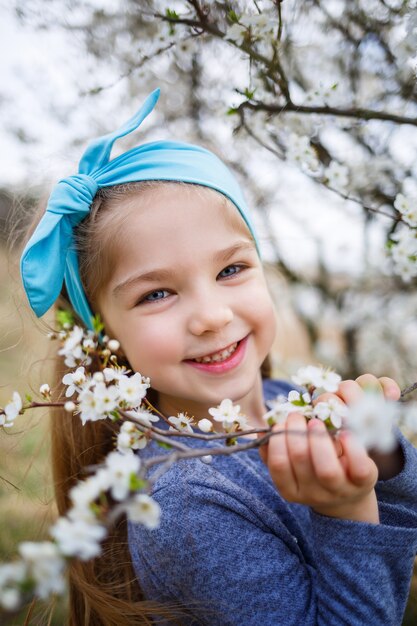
[50, 258]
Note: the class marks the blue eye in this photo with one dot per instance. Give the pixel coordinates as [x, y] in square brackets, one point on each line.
[231, 270]
[154, 296]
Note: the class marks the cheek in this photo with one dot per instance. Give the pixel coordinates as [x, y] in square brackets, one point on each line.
[150, 342]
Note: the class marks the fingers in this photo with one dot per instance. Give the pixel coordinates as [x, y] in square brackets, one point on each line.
[351, 391]
[325, 462]
[391, 389]
[279, 464]
[298, 449]
[361, 470]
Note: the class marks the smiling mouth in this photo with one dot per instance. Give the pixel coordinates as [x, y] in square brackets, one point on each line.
[218, 357]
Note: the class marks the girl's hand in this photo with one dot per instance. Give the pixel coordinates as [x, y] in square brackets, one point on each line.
[306, 469]
[334, 477]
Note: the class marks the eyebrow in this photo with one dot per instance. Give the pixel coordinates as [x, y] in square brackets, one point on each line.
[165, 274]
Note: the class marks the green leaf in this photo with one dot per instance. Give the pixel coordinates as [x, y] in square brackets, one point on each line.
[390, 244]
[28, 397]
[298, 402]
[115, 415]
[249, 93]
[172, 15]
[64, 318]
[98, 325]
[136, 483]
[162, 444]
[233, 17]
[232, 111]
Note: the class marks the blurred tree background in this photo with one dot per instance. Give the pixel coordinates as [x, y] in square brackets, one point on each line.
[313, 103]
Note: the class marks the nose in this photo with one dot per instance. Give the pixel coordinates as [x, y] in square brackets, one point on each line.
[209, 314]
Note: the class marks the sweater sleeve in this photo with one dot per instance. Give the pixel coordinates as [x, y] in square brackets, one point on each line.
[401, 490]
[214, 551]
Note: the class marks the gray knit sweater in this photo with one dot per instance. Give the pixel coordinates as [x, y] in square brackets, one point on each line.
[233, 549]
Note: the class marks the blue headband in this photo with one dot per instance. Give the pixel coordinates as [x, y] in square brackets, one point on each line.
[50, 257]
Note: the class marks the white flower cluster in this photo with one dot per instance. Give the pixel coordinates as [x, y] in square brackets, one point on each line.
[336, 176]
[104, 392]
[11, 410]
[402, 247]
[229, 415]
[254, 26]
[77, 344]
[40, 570]
[80, 532]
[301, 152]
[317, 377]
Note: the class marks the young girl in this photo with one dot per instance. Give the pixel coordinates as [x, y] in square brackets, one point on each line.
[158, 241]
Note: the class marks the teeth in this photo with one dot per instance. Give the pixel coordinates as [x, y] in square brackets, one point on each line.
[218, 357]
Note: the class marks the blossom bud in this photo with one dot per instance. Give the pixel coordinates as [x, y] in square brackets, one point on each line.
[113, 345]
[105, 352]
[207, 458]
[70, 407]
[98, 377]
[45, 391]
[205, 425]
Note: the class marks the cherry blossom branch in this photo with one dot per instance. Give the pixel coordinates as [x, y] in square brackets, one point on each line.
[353, 112]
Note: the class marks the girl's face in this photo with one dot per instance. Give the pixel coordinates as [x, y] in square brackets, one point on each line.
[188, 283]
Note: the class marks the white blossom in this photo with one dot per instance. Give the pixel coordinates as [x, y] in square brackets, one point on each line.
[45, 390]
[280, 408]
[121, 468]
[331, 409]
[72, 350]
[45, 566]
[337, 176]
[403, 252]
[144, 510]
[11, 575]
[181, 422]
[75, 381]
[372, 418]
[236, 33]
[112, 373]
[113, 345]
[130, 438]
[318, 377]
[11, 410]
[226, 412]
[301, 152]
[143, 416]
[407, 207]
[78, 537]
[205, 425]
[132, 389]
[91, 409]
[85, 492]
